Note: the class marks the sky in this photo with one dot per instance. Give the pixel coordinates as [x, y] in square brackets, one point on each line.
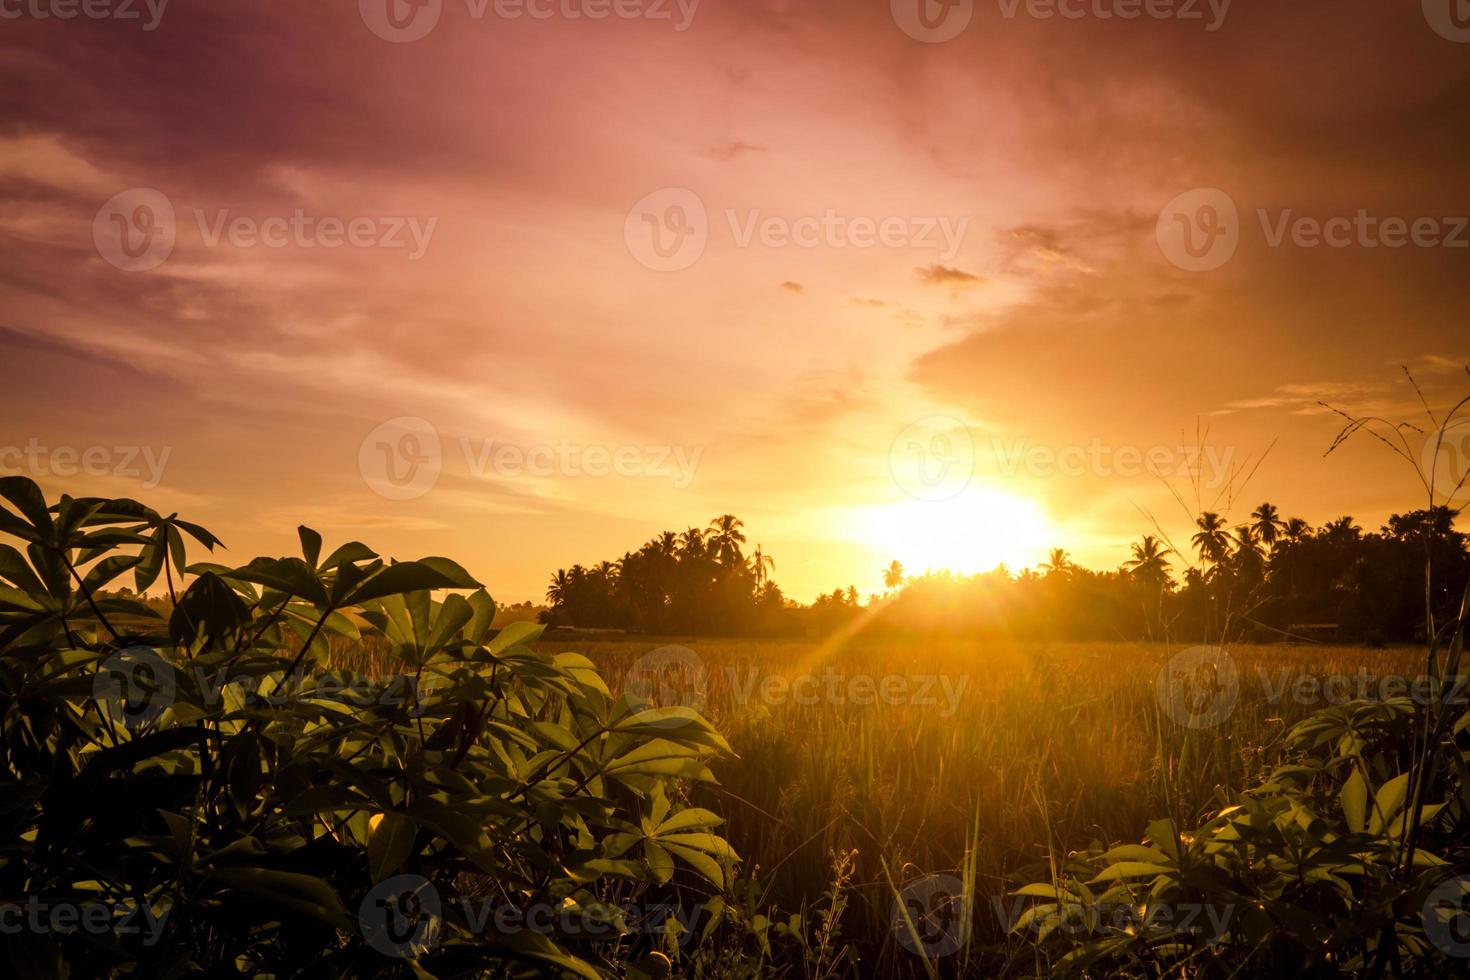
[525, 282]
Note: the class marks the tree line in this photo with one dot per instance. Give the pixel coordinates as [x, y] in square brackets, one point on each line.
[1265, 579]
[698, 580]
[1269, 577]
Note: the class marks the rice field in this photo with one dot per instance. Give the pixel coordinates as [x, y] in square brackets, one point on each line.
[881, 762]
[1012, 749]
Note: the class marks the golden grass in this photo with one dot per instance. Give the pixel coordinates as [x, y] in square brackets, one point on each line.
[1047, 746]
[1052, 745]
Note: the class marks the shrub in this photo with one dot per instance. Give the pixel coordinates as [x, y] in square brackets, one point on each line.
[206, 796]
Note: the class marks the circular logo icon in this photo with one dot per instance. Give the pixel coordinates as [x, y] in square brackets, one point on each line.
[401, 459]
[667, 677]
[400, 21]
[1445, 459]
[402, 917]
[931, 917]
[135, 685]
[1449, 18]
[1198, 687]
[932, 21]
[135, 230]
[1446, 917]
[667, 230]
[933, 458]
[1199, 230]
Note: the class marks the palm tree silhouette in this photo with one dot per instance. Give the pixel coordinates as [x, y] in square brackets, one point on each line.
[893, 575]
[691, 543]
[560, 589]
[1248, 556]
[1057, 563]
[1268, 525]
[761, 565]
[1342, 531]
[726, 537]
[1296, 529]
[1150, 561]
[1212, 541]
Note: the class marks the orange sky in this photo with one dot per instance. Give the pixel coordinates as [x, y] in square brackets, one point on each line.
[862, 231]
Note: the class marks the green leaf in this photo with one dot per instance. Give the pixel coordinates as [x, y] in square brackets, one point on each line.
[106, 570]
[350, 553]
[301, 893]
[709, 865]
[1132, 869]
[16, 570]
[288, 575]
[150, 565]
[454, 613]
[1354, 797]
[28, 499]
[514, 635]
[413, 576]
[1135, 852]
[1165, 836]
[311, 545]
[390, 845]
[532, 945]
[1388, 802]
[479, 625]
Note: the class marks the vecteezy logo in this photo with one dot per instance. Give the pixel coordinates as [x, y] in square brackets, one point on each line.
[932, 21]
[1198, 687]
[1446, 917]
[400, 21]
[134, 686]
[1199, 230]
[402, 917]
[667, 230]
[933, 459]
[668, 677]
[1445, 459]
[1449, 18]
[135, 230]
[401, 459]
[932, 917]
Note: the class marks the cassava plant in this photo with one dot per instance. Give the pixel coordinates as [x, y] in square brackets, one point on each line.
[187, 787]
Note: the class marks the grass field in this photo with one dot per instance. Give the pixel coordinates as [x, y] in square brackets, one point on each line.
[893, 760]
[1035, 746]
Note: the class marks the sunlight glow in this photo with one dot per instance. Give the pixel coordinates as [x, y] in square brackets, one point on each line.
[972, 532]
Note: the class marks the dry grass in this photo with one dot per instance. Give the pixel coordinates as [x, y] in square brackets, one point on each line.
[1052, 745]
[1046, 746]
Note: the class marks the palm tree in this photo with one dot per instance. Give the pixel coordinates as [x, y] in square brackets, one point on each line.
[1150, 561]
[1057, 563]
[726, 537]
[852, 595]
[893, 575]
[1248, 557]
[666, 544]
[1342, 531]
[761, 565]
[691, 543]
[1212, 541]
[1296, 529]
[1268, 525]
[561, 587]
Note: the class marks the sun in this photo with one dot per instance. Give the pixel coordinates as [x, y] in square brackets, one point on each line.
[971, 532]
